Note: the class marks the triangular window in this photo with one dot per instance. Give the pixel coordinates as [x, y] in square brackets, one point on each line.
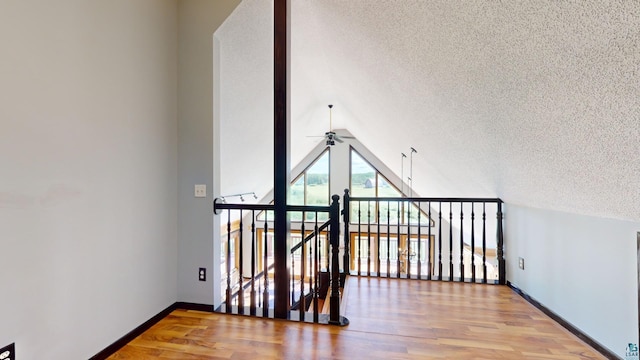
[311, 187]
[367, 181]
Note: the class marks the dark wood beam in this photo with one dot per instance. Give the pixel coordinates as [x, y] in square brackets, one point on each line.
[281, 157]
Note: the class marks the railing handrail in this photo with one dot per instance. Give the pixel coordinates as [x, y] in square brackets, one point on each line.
[308, 208]
[247, 284]
[224, 206]
[265, 207]
[426, 199]
[311, 236]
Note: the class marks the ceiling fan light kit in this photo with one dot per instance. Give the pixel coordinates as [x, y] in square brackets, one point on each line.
[330, 136]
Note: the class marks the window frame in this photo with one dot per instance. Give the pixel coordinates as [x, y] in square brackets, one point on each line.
[405, 220]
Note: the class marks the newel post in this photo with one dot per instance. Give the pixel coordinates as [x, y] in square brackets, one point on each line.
[502, 277]
[334, 240]
[346, 258]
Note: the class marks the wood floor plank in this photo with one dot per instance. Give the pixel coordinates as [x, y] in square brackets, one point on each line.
[389, 319]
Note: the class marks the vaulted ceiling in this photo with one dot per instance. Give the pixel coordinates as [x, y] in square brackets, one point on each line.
[536, 102]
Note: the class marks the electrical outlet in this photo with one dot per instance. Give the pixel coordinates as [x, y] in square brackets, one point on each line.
[8, 352]
[200, 190]
[521, 263]
[202, 274]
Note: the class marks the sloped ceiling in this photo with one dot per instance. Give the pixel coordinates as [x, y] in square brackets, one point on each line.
[534, 102]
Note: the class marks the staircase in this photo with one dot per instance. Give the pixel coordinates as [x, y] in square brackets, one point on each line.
[423, 240]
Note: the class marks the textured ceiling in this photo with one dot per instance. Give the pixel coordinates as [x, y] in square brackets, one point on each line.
[535, 102]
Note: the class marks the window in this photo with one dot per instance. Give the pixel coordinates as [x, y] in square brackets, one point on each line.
[367, 181]
[311, 187]
[317, 181]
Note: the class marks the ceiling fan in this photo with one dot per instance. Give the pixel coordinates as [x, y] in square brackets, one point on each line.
[330, 136]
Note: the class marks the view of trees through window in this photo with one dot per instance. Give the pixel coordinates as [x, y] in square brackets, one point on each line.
[366, 181]
[312, 188]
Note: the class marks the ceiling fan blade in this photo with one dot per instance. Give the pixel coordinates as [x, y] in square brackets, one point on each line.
[338, 138]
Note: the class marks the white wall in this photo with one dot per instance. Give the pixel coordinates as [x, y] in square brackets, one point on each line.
[198, 20]
[582, 268]
[88, 172]
[246, 98]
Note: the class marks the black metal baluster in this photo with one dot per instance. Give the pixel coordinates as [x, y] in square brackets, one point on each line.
[347, 256]
[378, 239]
[240, 268]
[316, 290]
[399, 253]
[450, 242]
[326, 248]
[358, 243]
[388, 238]
[419, 244]
[292, 279]
[407, 264]
[461, 242]
[310, 247]
[252, 305]
[260, 291]
[302, 306]
[228, 292]
[265, 294]
[368, 238]
[440, 241]
[484, 244]
[429, 244]
[473, 243]
[500, 250]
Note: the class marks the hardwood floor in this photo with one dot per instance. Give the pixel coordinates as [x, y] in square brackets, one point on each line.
[390, 319]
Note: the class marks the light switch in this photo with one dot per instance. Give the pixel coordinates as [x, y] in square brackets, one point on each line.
[200, 191]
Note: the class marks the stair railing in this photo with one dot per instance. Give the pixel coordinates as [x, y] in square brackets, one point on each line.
[316, 254]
